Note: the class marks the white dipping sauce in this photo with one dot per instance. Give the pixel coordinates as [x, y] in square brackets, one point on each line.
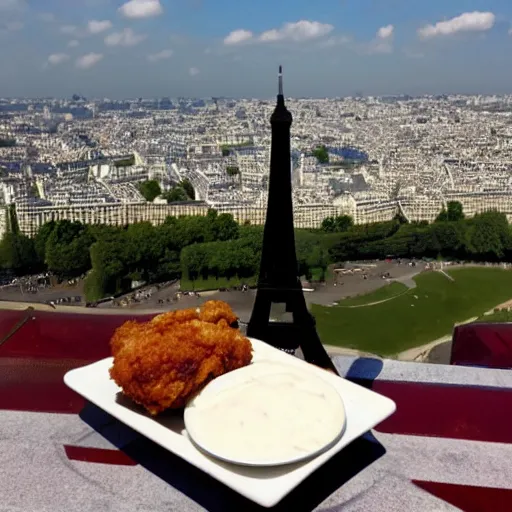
[266, 413]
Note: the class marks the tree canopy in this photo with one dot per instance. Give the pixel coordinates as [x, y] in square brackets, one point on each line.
[183, 191]
[150, 189]
[188, 188]
[67, 249]
[17, 253]
[452, 213]
[321, 154]
[232, 170]
[177, 194]
[216, 245]
[337, 224]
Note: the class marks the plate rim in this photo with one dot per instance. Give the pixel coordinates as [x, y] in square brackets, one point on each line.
[266, 497]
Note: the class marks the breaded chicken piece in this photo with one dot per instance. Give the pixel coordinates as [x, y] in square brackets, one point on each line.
[160, 364]
[165, 320]
[216, 310]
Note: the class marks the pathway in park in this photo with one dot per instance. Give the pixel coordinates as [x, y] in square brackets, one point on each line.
[448, 276]
[406, 280]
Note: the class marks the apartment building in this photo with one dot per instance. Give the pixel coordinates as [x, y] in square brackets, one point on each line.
[31, 218]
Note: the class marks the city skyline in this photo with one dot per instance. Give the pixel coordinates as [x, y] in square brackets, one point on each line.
[152, 48]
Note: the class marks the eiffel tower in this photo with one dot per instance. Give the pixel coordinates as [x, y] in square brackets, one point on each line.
[279, 281]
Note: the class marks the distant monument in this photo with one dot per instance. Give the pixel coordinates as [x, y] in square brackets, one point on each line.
[279, 282]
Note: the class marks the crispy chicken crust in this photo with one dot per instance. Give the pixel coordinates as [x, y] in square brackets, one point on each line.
[160, 364]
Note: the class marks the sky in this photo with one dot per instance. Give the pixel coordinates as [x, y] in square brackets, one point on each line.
[202, 48]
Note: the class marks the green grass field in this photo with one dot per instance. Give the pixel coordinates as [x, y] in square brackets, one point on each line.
[214, 284]
[497, 317]
[386, 292]
[406, 322]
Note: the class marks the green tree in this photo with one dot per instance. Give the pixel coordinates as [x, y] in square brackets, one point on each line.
[188, 188]
[343, 223]
[110, 260]
[225, 227]
[348, 245]
[103, 231]
[337, 224]
[40, 240]
[176, 195]
[193, 261]
[67, 249]
[232, 170]
[453, 212]
[443, 216]
[489, 234]
[144, 250]
[328, 225]
[13, 219]
[239, 257]
[321, 154]
[150, 189]
[450, 237]
[97, 286]
[17, 253]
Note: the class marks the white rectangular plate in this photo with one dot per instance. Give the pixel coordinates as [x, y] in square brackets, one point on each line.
[265, 486]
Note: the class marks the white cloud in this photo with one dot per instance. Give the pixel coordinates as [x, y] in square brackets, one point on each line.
[141, 9]
[88, 61]
[95, 26]
[238, 36]
[379, 47]
[193, 71]
[510, 31]
[299, 31]
[57, 58]
[475, 21]
[385, 32]
[125, 38]
[68, 29]
[383, 42]
[335, 41]
[164, 54]
[73, 43]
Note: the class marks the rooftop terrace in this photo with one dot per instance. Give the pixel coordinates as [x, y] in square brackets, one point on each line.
[448, 447]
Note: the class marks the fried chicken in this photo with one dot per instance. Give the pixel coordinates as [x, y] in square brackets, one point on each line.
[160, 364]
[215, 311]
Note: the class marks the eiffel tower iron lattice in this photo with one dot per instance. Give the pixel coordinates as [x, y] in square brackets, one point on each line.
[279, 281]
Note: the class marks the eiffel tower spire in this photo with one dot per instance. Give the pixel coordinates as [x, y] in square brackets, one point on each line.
[279, 281]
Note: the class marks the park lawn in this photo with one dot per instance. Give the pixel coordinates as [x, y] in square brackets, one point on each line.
[386, 292]
[212, 283]
[406, 322]
[502, 316]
